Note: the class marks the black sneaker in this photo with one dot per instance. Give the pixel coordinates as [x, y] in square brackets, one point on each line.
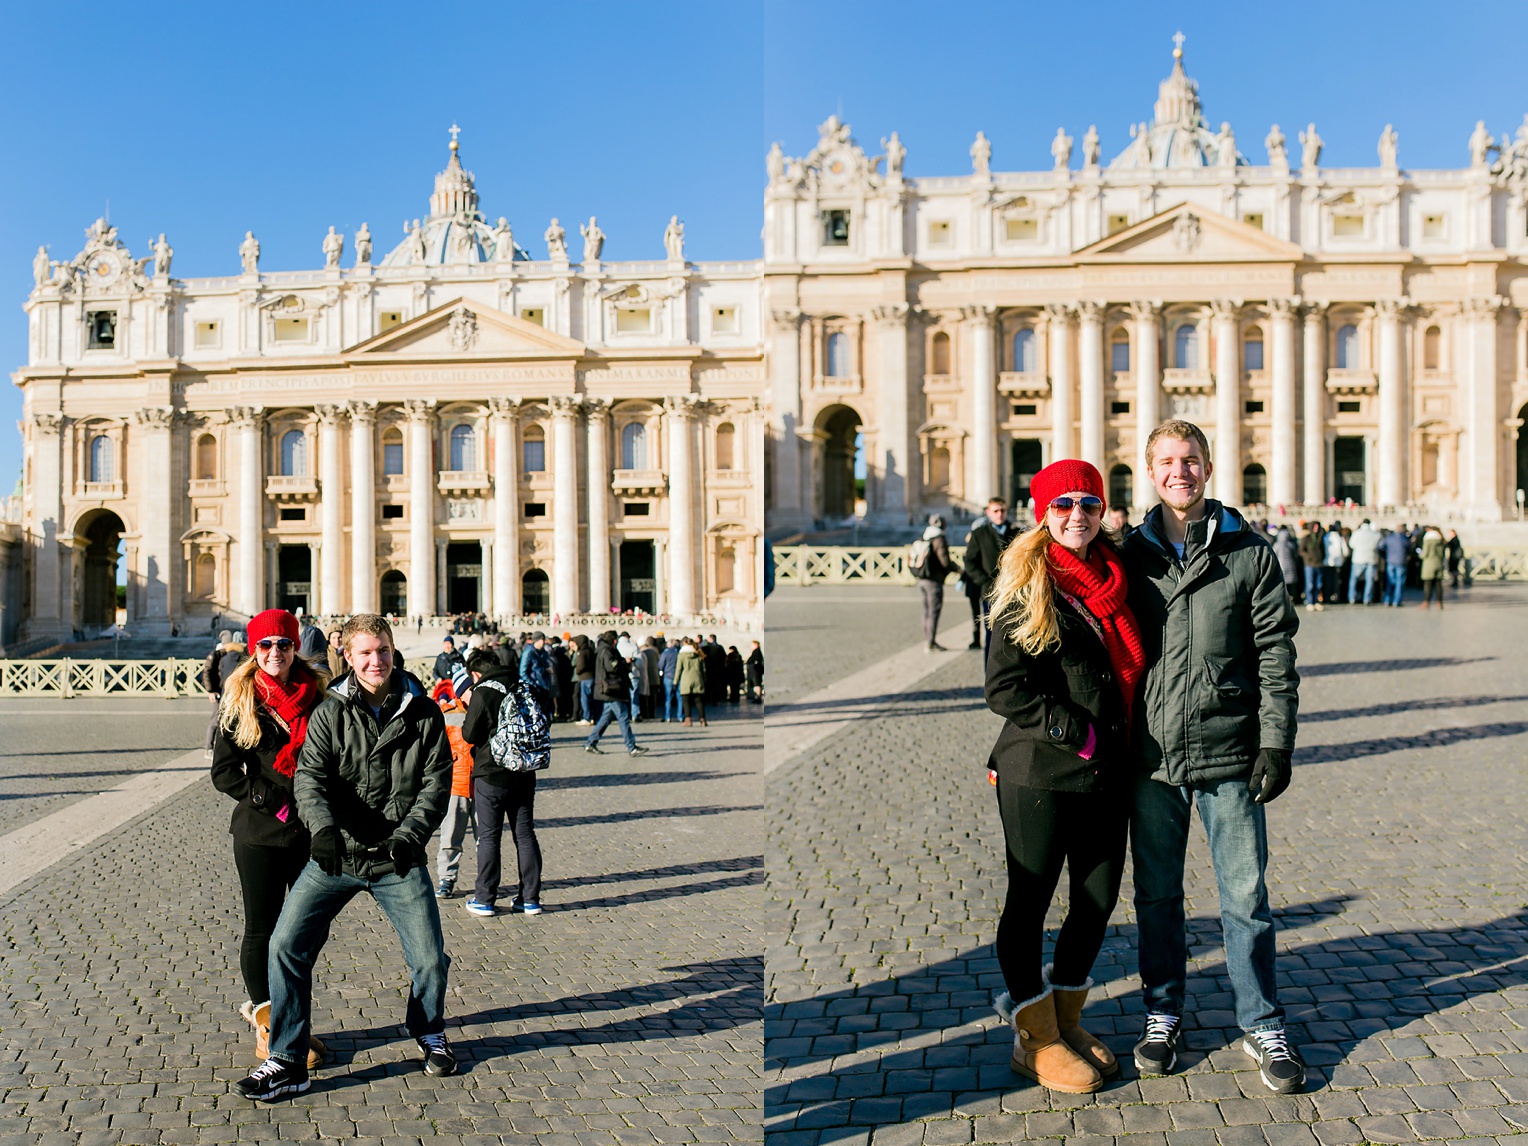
[273, 1079]
[639, 750]
[446, 889]
[438, 1058]
[1157, 1052]
[1281, 1066]
[594, 749]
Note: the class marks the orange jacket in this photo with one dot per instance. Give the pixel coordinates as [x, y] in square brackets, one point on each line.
[461, 751]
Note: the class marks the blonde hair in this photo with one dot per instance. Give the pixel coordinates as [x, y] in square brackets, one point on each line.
[369, 624]
[1178, 430]
[239, 714]
[1025, 588]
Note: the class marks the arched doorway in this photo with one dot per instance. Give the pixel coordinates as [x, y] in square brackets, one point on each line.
[102, 533]
[843, 466]
[294, 578]
[1254, 485]
[394, 597]
[1121, 486]
[535, 592]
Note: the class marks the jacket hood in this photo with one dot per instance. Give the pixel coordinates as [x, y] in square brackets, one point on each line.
[1221, 521]
[348, 687]
[313, 645]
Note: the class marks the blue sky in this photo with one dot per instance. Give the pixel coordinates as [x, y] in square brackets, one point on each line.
[203, 120]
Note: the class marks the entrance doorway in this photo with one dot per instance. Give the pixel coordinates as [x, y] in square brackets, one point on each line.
[1028, 460]
[1349, 469]
[842, 466]
[394, 598]
[98, 593]
[535, 592]
[639, 586]
[294, 578]
[464, 574]
[1522, 455]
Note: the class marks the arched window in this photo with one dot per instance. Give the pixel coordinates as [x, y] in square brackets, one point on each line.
[204, 579]
[294, 454]
[1430, 341]
[1119, 350]
[394, 597]
[1347, 347]
[1121, 487]
[1024, 351]
[463, 449]
[103, 459]
[837, 355]
[940, 363]
[726, 437]
[1252, 349]
[939, 469]
[1254, 485]
[534, 450]
[726, 569]
[634, 446]
[1186, 347]
[535, 592]
[206, 458]
[392, 452]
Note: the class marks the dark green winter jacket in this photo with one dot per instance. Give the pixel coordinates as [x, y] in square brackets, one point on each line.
[377, 779]
[1218, 630]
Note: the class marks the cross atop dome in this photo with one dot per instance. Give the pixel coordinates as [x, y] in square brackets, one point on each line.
[1178, 38]
[455, 131]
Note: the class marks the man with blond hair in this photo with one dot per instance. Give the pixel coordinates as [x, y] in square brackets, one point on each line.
[1214, 729]
[373, 780]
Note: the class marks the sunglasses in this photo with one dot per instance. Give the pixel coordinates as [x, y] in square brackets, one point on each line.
[268, 644]
[1092, 506]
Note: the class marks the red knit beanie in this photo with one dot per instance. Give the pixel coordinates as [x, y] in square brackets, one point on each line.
[1066, 476]
[272, 623]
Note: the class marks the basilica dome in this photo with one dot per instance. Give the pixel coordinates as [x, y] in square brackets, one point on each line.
[1178, 135]
[455, 232]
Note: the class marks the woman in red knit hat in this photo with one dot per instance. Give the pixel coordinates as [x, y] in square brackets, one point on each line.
[1066, 659]
[261, 725]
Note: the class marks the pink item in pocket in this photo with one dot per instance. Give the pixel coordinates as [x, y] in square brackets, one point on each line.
[284, 813]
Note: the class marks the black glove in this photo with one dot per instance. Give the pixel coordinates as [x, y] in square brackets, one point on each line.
[403, 855]
[1270, 775]
[328, 850]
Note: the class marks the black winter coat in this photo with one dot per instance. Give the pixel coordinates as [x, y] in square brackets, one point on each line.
[984, 547]
[246, 774]
[612, 674]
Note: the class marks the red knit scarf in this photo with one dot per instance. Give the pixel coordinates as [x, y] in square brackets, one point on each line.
[290, 701]
[1099, 583]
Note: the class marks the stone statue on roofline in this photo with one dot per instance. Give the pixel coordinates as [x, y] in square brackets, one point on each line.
[556, 240]
[363, 246]
[981, 156]
[1090, 147]
[503, 242]
[1481, 143]
[673, 240]
[249, 253]
[40, 265]
[162, 256]
[774, 163]
[1388, 145]
[594, 240]
[1278, 156]
[1310, 148]
[895, 154]
[1061, 149]
[334, 248]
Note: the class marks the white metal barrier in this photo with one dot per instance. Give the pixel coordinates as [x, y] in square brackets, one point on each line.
[68, 677]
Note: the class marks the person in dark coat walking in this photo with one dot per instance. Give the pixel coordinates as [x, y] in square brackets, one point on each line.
[754, 667]
[930, 564]
[212, 681]
[583, 677]
[984, 547]
[734, 675]
[612, 686]
[1063, 671]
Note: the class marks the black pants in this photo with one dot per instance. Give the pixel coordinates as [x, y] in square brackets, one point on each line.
[1432, 589]
[1042, 829]
[515, 803]
[695, 706]
[266, 874]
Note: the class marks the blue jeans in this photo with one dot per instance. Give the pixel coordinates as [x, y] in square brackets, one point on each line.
[586, 699]
[1395, 584]
[311, 906]
[1312, 584]
[614, 710]
[1366, 574]
[1238, 835]
[671, 700]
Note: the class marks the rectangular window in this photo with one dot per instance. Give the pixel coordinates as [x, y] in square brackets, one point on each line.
[389, 319]
[392, 459]
[1254, 407]
[534, 314]
[636, 509]
[392, 513]
[633, 321]
[1349, 407]
[298, 514]
[1253, 219]
[835, 228]
[1348, 226]
[1119, 407]
[724, 320]
[1432, 227]
[939, 234]
[209, 336]
[103, 329]
[1252, 354]
[535, 509]
[1119, 356]
[1022, 230]
[1118, 223]
[1025, 409]
[292, 330]
[535, 456]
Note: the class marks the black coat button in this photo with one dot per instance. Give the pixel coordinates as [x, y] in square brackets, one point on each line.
[1055, 733]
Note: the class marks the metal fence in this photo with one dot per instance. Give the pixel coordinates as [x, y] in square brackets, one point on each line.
[67, 677]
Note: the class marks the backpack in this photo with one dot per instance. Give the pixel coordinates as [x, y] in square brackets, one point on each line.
[917, 555]
[522, 741]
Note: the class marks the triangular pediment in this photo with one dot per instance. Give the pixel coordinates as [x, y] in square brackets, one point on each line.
[1189, 233]
[463, 329]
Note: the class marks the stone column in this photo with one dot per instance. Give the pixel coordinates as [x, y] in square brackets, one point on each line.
[1281, 344]
[1146, 362]
[441, 578]
[1313, 488]
[1393, 422]
[895, 453]
[331, 513]
[156, 530]
[315, 555]
[597, 411]
[363, 510]
[1060, 341]
[47, 513]
[681, 594]
[421, 471]
[565, 506]
[485, 575]
[506, 508]
[985, 481]
[1090, 363]
[785, 417]
[1484, 418]
[1227, 457]
[247, 421]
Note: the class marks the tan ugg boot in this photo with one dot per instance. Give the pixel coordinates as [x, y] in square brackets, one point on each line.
[261, 1017]
[1069, 1004]
[1038, 1050]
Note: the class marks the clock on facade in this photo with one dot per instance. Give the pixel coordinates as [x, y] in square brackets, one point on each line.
[103, 268]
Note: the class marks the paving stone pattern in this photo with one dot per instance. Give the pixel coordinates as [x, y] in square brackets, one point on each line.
[1398, 878]
[628, 1013]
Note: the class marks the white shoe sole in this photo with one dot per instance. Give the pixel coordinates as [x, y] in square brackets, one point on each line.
[1294, 1087]
[282, 1091]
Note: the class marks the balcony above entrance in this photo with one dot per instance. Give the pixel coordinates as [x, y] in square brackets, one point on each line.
[291, 487]
[640, 483]
[463, 481]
